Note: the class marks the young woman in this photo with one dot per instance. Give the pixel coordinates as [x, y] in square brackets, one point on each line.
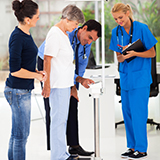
[22, 62]
[135, 77]
[58, 63]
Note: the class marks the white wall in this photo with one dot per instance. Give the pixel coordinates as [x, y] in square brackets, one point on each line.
[7, 21]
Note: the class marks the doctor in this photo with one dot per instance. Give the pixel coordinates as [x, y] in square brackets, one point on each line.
[135, 77]
[83, 38]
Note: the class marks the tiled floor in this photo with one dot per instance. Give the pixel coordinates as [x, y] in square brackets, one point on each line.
[110, 147]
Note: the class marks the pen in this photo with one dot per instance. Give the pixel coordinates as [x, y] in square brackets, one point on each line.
[119, 46]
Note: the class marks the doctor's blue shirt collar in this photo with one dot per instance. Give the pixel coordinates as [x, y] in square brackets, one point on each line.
[75, 38]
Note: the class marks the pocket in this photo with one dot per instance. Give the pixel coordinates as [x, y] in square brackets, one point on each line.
[8, 94]
[22, 96]
[124, 81]
[22, 91]
[141, 78]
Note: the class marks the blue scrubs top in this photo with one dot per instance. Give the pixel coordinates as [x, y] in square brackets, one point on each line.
[82, 62]
[136, 73]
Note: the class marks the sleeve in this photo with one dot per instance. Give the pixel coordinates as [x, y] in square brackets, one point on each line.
[41, 50]
[75, 76]
[113, 43]
[147, 38]
[52, 43]
[83, 62]
[15, 51]
[71, 35]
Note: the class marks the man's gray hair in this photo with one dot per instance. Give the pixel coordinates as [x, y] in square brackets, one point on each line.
[73, 13]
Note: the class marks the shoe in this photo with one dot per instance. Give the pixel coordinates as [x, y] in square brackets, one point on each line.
[80, 151]
[72, 158]
[127, 153]
[137, 155]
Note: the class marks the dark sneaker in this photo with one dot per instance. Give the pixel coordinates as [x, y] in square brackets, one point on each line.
[137, 155]
[127, 153]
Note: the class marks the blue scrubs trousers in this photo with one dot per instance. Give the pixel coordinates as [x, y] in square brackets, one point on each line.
[59, 104]
[135, 114]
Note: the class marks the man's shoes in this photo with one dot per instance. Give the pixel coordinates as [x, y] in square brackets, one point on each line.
[137, 155]
[72, 158]
[79, 150]
[127, 153]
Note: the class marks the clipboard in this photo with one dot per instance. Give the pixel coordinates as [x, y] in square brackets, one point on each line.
[136, 46]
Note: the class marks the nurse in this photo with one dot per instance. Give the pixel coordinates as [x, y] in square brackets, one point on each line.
[135, 77]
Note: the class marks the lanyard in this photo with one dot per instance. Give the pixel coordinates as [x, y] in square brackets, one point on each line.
[131, 35]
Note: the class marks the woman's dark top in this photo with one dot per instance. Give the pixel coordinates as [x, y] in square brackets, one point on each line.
[22, 54]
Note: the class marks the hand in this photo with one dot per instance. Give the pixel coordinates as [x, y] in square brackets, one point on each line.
[120, 58]
[46, 91]
[74, 92]
[124, 47]
[130, 54]
[87, 82]
[42, 75]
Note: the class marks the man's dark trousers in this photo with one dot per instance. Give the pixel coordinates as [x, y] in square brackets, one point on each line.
[72, 123]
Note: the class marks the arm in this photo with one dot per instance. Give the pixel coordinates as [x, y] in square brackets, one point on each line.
[146, 54]
[74, 92]
[47, 68]
[82, 66]
[120, 57]
[84, 81]
[23, 73]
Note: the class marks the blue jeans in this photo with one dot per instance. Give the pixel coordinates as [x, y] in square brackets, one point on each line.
[20, 103]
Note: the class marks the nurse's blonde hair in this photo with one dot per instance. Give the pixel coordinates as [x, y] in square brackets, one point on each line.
[124, 8]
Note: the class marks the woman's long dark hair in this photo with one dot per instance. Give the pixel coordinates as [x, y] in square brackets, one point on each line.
[26, 8]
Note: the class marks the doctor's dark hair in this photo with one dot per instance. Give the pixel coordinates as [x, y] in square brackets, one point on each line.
[124, 8]
[23, 9]
[73, 13]
[93, 25]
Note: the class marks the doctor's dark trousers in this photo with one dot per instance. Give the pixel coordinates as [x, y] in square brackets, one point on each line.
[135, 114]
[72, 123]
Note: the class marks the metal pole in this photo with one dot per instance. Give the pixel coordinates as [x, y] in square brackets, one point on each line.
[97, 41]
[96, 127]
[103, 44]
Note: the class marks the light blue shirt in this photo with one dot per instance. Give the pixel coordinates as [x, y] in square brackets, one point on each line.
[136, 73]
[82, 62]
[41, 50]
